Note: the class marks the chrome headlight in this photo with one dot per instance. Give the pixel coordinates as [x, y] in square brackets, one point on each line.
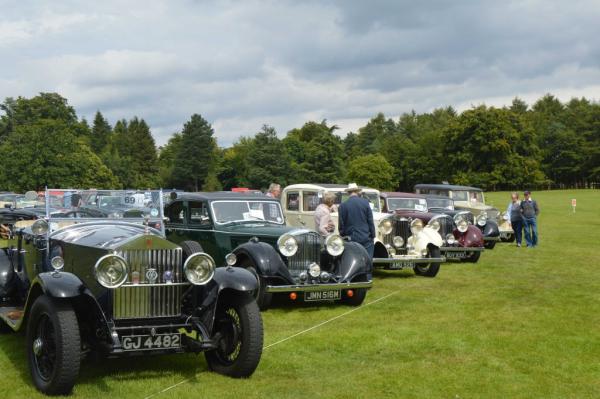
[199, 268]
[398, 241]
[416, 226]
[462, 225]
[435, 224]
[57, 263]
[334, 245]
[40, 227]
[450, 239]
[482, 219]
[111, 271]
[314, 270]
[287, 245]
[385, 227]
[230, 259]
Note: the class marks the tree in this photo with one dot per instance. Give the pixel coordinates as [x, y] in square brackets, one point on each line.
[196, 154]
[270, 161]
[372, 170]
[100, 135]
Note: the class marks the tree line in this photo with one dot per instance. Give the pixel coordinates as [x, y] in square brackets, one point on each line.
[44, 143]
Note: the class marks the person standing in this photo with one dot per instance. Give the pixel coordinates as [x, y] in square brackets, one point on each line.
[513, 213]
[356, 219]
[323, 221]
[530, 211]
[274, 191]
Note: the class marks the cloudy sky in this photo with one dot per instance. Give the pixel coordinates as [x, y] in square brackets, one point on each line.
[247, 63]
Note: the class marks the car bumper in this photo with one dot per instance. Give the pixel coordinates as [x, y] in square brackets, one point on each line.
[318, 287]
[408, 259]
[491, 238]
[461, 249]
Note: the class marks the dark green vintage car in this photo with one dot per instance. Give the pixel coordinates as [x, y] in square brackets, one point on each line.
[119, 288]
[248, 231]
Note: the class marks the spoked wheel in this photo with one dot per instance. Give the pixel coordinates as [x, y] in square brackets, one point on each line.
[263, 298]
[53, 346]
[431, 269]
[239, 333]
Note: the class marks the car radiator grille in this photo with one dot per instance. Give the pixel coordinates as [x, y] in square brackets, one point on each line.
[309, 251]
[446, 225]
[147, 299]
[402, 229]
[493, 214]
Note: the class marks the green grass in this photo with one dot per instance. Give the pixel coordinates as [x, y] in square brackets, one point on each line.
[521, 323]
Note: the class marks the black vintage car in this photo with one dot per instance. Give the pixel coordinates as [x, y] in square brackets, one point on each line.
[248, 231]
[119, 288]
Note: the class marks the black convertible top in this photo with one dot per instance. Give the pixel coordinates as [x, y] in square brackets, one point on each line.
[224, 195]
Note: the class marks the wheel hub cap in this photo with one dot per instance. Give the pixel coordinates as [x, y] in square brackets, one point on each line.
[37, 346]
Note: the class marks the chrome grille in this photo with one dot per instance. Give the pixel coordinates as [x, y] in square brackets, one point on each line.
[402, 229]
[493, 214]
[146, 299]
[309, 251]
[446, 225]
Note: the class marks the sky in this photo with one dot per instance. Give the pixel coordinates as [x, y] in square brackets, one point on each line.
[247, 63]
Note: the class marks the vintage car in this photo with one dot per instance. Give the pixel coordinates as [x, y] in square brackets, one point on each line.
[461, 240]
[248, 230]
[420, 249]
[118, 288]
[471, 199]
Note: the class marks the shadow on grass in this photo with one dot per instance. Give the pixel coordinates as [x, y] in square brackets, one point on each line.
[399, 274]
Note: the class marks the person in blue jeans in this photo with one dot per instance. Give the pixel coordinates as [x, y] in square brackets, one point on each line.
[356, 219]
[513, 214]
[530, 212]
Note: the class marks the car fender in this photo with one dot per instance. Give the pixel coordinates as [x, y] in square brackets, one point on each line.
[426, 237]
[234, 278]
[473, 237]
[60, 284]
[491, 229]
[354, 262]
[267, 261]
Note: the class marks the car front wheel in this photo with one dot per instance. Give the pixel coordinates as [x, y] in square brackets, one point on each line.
[431, 269]
[53, 346]
[238, 330]
[263, 298]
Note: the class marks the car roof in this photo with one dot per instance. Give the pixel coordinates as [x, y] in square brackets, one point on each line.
[447, 187]
[433, 196]
[320, 186]
[224, 195]
[397, 194]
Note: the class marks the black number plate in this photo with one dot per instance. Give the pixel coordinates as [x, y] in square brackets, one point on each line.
[456, 255]
[330, 295]
[402, 265]
[149, 342]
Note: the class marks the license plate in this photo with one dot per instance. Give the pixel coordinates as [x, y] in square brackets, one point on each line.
[456, 255]
[149, 342]
[330, 295]
[504, 235]
[405, 264]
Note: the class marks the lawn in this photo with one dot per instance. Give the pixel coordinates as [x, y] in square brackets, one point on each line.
[521, 323]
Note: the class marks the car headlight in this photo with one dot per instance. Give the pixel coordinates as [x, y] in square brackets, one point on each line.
[482, 220]
[385, 227]
[199, 268]
[334, 245]
[230, 259]
[416, 226]
[287, 245]
[40, 227]
[314, 270]
[462, 225]
[57, 263]
[398, 241]
[450, 239]
[435, 224]
[111, 271]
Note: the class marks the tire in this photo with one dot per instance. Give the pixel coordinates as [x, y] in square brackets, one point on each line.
[474, 257]
[432, 269]
[239, 349]
[190, 247]
[54, 331]
[263, 299]
[489, 244]
[355, 300]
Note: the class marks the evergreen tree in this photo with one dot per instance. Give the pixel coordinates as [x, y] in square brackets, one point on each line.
[101, 132]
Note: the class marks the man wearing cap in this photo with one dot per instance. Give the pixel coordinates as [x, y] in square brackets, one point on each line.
[356, 219]
[530, 211]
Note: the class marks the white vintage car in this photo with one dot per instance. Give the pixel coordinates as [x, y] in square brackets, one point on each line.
[400, 243]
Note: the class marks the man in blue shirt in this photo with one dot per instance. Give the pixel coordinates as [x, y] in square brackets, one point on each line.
[530, 211]
[356, 219]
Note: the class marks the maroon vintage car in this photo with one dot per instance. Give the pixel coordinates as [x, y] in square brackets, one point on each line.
[461, 240]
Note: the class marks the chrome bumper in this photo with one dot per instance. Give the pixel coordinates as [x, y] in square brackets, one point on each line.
[318, 287]
[461, 249]
[491, 238]
[408, 259]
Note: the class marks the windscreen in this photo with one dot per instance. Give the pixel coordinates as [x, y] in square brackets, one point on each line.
[242, 211]
[372, 197]
[440, 203]
[414, 204]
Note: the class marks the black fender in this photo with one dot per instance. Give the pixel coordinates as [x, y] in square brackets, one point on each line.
[234, 278]
[266, 259]
[491, 229]
[60, 284]
[354, 262]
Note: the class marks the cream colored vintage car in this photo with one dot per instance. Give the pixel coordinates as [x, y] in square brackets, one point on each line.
[401, 243]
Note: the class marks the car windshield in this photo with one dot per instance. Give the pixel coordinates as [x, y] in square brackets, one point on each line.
[242, 211]
[441, 203]
[416, 204]
[373, 199]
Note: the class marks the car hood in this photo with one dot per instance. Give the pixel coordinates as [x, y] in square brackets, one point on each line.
[424, 216]
[477, 207]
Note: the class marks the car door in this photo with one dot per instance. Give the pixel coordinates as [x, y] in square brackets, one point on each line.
[176, 224]
[292, 208]
[201, 229]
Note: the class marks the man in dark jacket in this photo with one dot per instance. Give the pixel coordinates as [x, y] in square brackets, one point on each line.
[530, 211]
[356, 219]
[513, 213]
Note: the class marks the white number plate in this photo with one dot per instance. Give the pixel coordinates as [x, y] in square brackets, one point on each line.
[456, 255]
[402, 265]
[322, 295]
[148, 342]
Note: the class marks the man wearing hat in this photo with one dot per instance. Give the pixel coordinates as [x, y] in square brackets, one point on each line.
[530, 211]
[356, 219]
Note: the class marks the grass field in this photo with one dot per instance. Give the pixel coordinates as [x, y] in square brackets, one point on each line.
[521, 323]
